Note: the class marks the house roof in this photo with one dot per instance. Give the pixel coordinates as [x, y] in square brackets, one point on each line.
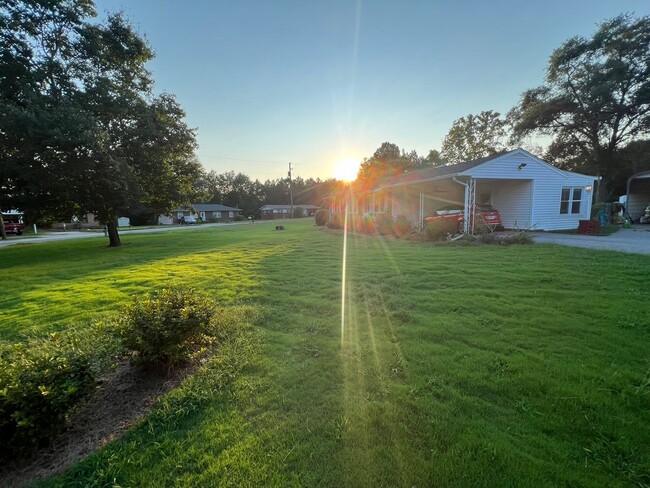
[277, 207]
[435, 172]
[463, 169]
[209, 207]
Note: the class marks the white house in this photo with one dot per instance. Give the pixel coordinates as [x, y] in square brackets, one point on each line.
[207, 212]
[528, 193]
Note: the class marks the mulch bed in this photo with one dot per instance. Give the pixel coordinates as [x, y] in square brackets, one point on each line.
[120, 400]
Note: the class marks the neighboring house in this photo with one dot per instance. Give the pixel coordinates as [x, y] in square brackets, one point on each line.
[529, 193]
[638, 195]
[270, 212]
[207, 212]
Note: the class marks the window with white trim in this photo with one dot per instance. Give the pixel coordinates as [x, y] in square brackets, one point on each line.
[216, 215]
[571, 200]
[231, 214]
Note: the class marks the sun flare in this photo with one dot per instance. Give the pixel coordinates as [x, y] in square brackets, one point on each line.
[346, 169]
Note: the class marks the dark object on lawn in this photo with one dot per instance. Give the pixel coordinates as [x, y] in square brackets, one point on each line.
[588, 227]
[279, 227]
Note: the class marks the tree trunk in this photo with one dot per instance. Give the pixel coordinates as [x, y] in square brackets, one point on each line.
[113, 235]
[603, 191]
[3, 234]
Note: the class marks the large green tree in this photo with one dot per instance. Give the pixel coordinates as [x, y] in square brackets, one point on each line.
[387, 160]
[596, 99]
[475, 136]
[80, 129]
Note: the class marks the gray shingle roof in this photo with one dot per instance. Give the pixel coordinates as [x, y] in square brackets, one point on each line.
[295, 205]
[431, 173]
[210, 207]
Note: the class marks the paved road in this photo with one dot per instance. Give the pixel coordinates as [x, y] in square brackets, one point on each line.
[635, 240]
[62, 236]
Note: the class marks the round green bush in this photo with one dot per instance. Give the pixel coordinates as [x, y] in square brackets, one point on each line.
[40, 383]
[166, 327]
[439, 229]
[321, 217]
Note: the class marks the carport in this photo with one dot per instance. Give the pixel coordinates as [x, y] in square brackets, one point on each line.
[512, 197]
[638, 195]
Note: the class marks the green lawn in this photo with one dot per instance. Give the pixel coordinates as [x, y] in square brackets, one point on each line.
[455, 366]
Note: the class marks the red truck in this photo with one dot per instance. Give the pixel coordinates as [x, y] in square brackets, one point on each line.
[14, 227]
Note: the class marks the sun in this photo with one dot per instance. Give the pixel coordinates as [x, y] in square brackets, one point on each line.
[346, 169]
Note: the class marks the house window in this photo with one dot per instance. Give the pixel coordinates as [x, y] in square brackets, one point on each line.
[216, 215]
[231, 214]
[202, 214]
[179, 215]
[571, 200]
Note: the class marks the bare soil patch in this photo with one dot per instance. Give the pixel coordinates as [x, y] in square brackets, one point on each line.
[120, 400]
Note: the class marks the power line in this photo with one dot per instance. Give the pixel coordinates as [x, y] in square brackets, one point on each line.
[245, 160]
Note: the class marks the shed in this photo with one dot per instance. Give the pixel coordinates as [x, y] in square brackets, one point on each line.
[638, 195]
[528, 192]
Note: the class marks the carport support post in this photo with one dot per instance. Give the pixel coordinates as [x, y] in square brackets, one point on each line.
[421, 209]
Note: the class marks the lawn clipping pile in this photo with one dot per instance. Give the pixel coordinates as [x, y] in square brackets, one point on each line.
[454, 365]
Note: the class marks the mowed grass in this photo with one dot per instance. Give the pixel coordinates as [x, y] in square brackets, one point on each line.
[455, 366]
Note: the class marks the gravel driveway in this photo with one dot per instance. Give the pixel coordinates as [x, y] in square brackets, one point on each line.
[635, 240]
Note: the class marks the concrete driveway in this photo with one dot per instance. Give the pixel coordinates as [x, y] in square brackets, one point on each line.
[635, 240]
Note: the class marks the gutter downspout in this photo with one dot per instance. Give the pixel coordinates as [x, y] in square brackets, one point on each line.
[466, 210]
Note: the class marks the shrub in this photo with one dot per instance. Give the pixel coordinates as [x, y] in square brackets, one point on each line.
[384, 223]
[439, 229]
[41, 382]
[402, 227]
[321, 217]
[166, 327]
[336, 222]
[502, 239]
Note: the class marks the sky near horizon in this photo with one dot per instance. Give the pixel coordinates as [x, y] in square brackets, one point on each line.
[316, 82]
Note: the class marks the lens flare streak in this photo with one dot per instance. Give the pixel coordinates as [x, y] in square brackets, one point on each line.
[345, 256]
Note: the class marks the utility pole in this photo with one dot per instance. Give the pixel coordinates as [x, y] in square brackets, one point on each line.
[290, 190]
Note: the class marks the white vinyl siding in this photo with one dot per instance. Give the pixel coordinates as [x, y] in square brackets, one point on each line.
[513, 200]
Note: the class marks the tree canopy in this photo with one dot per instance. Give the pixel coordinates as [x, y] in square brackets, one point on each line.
[388, 160]
[475, 136]
[596, 98]
[80, 129]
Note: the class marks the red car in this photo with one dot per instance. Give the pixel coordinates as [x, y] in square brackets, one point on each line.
[487, 216]
[14, 227]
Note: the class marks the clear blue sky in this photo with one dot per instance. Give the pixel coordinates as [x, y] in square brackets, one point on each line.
[311, 82]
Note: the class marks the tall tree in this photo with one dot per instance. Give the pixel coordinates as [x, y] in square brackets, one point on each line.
[387, 160]
[434, 158]
[80, 130]
[475, 136]
[596, 98]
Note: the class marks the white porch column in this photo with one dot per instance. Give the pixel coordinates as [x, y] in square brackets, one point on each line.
[421, 209]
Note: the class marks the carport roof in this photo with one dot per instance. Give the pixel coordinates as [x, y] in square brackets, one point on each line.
[428, 174]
